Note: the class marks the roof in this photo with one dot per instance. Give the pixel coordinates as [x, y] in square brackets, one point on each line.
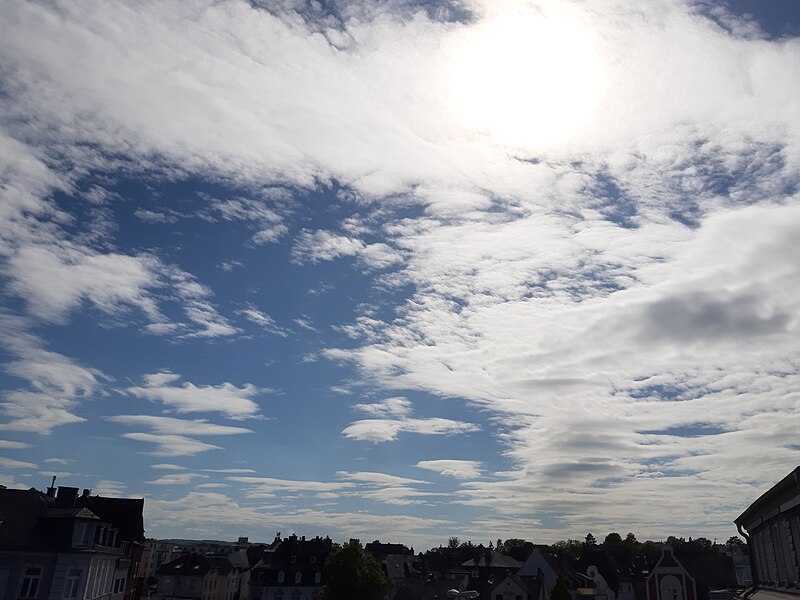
[20, 518]
[492, 558]
[187, 565]
[124, 513]
[220, 564]
[783, 491]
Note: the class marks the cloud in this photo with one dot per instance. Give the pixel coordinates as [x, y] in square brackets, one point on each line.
[232, 401]
[386, 430]
[10, 445]
[171, 445]
[266, 487]
[268, 223]
[584, 291]
[168, 467]
[58, 461]
[176, 479]
[170, 425]
[369, 477]
[460, 469]
[391, 407]
[10, 463]
[317, 246]
[264, 321]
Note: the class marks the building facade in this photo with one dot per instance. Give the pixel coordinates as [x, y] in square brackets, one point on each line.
[771, 526]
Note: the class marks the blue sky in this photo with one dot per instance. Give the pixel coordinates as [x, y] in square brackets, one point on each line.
[399, 270]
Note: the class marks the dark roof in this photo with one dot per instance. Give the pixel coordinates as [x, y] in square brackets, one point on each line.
[20, 516]
[782, 491]
[220, 564]
[187, 565]
[124, 513]
[492, 558]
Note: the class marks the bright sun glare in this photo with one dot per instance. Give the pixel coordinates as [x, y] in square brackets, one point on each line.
[527, 78]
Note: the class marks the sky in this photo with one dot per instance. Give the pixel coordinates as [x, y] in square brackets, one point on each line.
[401, 270]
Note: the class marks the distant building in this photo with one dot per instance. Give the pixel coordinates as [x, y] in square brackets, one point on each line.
[771, 526]
[290, 569]
[669, 580]
[61, 545]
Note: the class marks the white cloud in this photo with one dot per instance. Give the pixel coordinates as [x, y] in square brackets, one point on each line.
[569, 287]
[263, 320]
[317, 246]
[10, 445]
[58, 461]
[176, 479]
[460, 469]
[10, 463]
[265, 487]
[171, 445]
[369, 477]
[268, 223]
[168, 467]
[170, 425]
[232, 401]
[391, 407]
[399, 412]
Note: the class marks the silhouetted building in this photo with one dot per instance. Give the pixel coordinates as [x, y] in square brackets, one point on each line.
[772, 525]
[290, 569]
[60, 545]
[669, 580]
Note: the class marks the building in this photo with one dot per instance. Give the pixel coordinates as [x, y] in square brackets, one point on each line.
[669, 580]
[59, 545]
[771, 526]
[290, 569]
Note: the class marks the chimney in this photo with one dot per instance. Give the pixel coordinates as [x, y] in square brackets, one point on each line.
[66, 496]
[86, 493]
[51, 491]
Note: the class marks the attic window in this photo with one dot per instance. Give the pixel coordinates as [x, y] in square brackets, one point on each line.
[312, 560]
[294, 558]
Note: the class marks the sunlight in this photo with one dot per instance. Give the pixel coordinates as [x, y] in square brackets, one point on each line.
[528, 78]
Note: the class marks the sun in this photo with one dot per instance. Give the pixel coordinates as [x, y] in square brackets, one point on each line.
[528, 77]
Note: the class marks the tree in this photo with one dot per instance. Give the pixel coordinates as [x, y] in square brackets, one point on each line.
[518, 548]
[571, 548]
[453, 542]
[560, 590]
[590, 540]
[351, 573]
[735, 545]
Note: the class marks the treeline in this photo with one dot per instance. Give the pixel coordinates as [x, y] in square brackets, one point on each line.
[625, 551]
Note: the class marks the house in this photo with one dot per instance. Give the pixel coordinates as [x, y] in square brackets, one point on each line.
[771, 526]
[510, 587]
[611, 580]
[669, 580]
[290, 569]
[55, 544]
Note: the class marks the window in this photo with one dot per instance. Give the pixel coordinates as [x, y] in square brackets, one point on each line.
[281, 576]
[317, 577]
[119, 585]
[30, 582]
[298, 576]
[313, 559]
[73, 583]
[294, 558]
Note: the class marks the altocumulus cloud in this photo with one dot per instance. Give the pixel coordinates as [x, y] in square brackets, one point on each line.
[597, 295]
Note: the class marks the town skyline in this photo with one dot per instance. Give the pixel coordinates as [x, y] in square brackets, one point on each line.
[402, 269]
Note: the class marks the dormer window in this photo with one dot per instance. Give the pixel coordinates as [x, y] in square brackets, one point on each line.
[281, 576]
[313, 559]
[298, 577]
[294, 558]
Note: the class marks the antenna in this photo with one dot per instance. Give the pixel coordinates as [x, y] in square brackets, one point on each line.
[54, 482]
